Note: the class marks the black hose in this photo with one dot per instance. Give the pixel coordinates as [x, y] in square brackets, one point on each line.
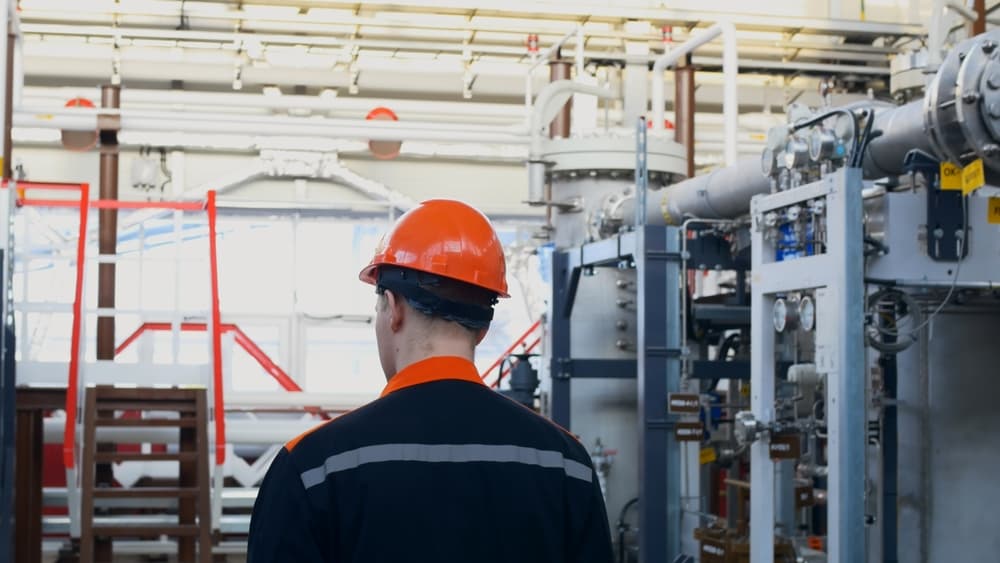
[622, 528]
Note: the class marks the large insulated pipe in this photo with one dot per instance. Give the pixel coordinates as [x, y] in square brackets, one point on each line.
[902, 130]
[722, 193]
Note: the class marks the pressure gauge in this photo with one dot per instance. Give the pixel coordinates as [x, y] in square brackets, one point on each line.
[807, 313]
[780, 313]
[785, 315]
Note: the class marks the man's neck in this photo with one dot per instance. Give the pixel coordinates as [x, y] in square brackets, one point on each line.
[406, 358]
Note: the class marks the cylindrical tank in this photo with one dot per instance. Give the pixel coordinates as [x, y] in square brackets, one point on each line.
[593, 192]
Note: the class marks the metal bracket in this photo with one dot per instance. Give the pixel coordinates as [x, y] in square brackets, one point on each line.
[946, 222]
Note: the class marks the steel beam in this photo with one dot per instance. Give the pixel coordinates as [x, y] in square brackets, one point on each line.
[658, 280]
[559, 325]
[846, 381]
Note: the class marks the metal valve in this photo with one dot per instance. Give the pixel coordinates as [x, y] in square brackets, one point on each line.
[747, 429]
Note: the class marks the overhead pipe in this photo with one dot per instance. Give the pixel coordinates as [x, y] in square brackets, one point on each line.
[549, 54]
[730, 68]
[108, 224]
[684, 112]
[559, 69]
[549, 100]
[187, 122]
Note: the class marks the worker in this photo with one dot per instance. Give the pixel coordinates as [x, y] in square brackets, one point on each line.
[440, 468]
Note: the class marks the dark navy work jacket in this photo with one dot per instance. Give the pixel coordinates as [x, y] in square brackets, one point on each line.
[440, 469]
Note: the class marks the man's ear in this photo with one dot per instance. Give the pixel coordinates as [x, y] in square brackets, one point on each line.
[396, 310]
[481, 334]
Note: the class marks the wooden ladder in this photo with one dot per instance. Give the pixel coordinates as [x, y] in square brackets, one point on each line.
[193, 486]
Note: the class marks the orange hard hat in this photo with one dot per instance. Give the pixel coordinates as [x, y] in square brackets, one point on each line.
[446, 238]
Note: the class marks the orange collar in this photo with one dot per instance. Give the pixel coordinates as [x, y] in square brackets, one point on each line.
[433, 369]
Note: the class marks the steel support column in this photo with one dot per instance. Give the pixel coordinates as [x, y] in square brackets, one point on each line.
[658, 282]
[846, 381]
[762, 393]
[838, 280]
[560, 329]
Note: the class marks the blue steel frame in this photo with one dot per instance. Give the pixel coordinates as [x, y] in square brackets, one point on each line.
[655, 254]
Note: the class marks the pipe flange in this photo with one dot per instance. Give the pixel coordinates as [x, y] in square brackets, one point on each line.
[940, 113]
[973, 81]
[989, 85]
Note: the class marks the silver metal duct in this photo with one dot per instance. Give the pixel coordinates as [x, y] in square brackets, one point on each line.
[720, 194]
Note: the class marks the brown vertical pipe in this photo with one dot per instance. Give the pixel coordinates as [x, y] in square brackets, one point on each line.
[108, 225]
[107, 243]
[978, 25]
[559, 69]
[684, 111]
[8, 108]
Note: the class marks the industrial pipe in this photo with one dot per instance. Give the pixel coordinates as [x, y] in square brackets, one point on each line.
[902, 130]
[548, 102]
[721, 194]
[730, 68]
[951, 124]
[684, 112]
[83, 120]
[108, 225]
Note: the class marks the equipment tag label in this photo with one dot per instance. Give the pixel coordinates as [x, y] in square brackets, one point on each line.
[993, 211]
[683, 403]
[707, 455]
[688, 431]
[973, 176]
[951, 176]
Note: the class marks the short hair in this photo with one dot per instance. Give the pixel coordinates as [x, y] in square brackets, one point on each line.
[440, 297]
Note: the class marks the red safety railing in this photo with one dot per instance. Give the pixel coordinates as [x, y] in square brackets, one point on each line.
[239, 337]
[84, 204]
[519, 342]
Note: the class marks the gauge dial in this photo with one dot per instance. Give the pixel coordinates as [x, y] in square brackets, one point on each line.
[807, 313]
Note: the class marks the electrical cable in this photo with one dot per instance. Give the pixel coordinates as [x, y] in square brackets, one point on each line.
[954, 281]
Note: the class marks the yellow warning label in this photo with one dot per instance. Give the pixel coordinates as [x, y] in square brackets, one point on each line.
[973, 176]
[993, 211]
[707, 455]
[951, 176]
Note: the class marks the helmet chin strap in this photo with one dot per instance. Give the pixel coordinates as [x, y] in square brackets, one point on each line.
[411, 286]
